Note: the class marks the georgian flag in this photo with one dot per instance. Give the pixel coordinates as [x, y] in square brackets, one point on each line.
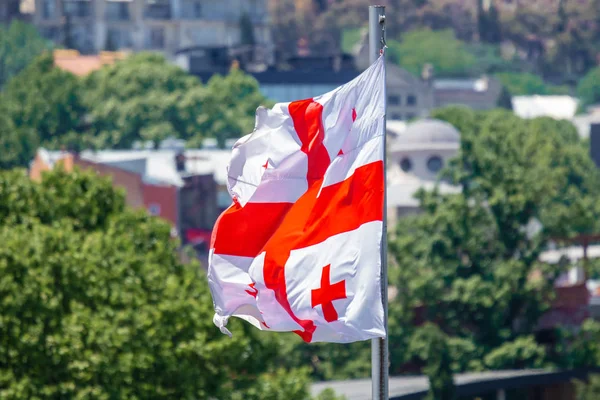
[299, 248]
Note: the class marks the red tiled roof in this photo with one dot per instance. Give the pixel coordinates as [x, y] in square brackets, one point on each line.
[80, 65]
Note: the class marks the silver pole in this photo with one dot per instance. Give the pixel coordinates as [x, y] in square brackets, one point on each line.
[379, 346]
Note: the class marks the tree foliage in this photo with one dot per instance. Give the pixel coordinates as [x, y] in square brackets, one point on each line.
[20, 44]
[45, 100]
[468, 263]
[588, 390]
[17, 145]
[143, 98]
[431, 344]
[95, 304]
[229, 106]
[448, 55]
[519, 84]
[588, 89]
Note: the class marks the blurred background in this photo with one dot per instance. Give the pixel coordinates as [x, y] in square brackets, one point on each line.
[116, 122]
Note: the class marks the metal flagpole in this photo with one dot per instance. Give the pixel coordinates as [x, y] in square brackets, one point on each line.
[379, 346]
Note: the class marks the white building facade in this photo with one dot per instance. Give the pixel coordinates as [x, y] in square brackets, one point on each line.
[417, 152]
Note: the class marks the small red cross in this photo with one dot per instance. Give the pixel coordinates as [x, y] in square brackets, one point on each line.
[327, 293]
[266, 164]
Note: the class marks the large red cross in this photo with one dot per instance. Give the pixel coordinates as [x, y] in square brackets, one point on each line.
[326, 294]
[322, 212]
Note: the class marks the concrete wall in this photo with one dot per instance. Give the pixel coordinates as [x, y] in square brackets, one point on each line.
[129, 181]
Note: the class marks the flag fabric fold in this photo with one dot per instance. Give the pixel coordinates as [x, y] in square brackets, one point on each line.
[299, 248]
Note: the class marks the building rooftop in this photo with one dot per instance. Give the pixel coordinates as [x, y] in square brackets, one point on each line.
[428, 134]
[474, 85]
[156, 166]
[469, 384]
[572, 253]
[80, 65]
[558, 107]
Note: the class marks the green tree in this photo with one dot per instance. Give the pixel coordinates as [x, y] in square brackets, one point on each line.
[20, 44]
[141, 98]
[588, 390]
[146, 98]
[45, 100]
[488, 23]
[449, 56]
[95, 304]
[429, 343]
[330, 361]
[468, 262]
[229, 106]
[527, 84]
[17, 145]
[588, 89]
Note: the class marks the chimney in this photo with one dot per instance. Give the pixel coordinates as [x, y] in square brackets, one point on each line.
[595, 143]
[180, 162]
[427, 73]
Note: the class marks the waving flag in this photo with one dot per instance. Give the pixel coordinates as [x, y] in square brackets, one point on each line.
[299, 249]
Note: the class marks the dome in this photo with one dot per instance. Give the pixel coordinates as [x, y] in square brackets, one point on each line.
[428, 134]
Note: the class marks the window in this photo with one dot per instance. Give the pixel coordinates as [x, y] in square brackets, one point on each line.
[411, 100]
[118, 39]
[117, 11]
[406, 164]
[157, 9]
[435, 164]
[157, 38]
[197, 10]
[154, 209]
[48, 9]
[396, 116]
[394, 100]
[223, 199]
[50, 33]
[77, 9]
[191, 9]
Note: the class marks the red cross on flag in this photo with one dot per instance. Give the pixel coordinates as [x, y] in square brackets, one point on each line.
[299, 248]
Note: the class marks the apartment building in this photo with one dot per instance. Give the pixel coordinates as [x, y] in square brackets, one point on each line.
[9, 10]
[167, 26]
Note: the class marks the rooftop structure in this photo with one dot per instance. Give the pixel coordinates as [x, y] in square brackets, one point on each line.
[558, 107]
[527, 384]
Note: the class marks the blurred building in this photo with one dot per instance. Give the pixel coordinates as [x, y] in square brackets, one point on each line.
[557, 107]
[186, 188]
[416, 154]
[478, 94]
[166, 26]
[409, 97]
[9, 10]
[74, 62]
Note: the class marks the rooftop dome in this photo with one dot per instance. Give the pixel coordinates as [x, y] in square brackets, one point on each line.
[428, 134]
